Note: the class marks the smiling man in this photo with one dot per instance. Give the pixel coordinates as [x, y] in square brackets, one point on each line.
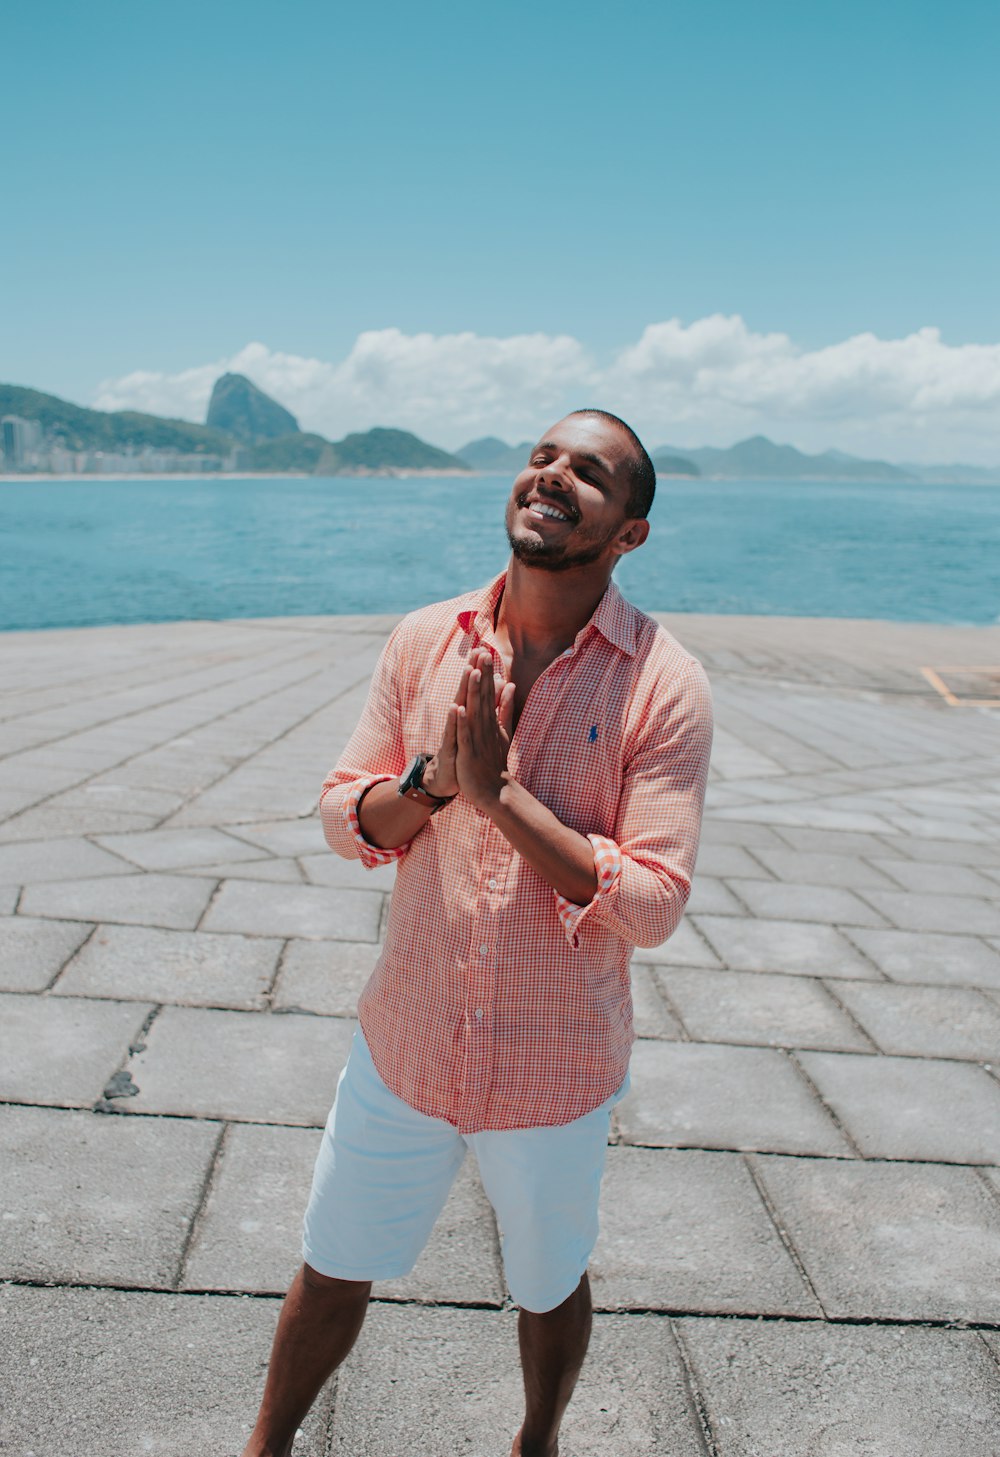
[533, 758]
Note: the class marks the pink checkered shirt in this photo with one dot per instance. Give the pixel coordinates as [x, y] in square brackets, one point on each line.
[496, 1003]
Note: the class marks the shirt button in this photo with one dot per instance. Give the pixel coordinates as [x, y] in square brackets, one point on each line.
[479, 1014]
[484, 950]
[492, 884]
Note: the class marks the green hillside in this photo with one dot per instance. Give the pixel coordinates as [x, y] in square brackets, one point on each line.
[77, 428]
[381, 449]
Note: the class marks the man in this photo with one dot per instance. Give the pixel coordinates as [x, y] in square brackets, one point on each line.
[553, 828]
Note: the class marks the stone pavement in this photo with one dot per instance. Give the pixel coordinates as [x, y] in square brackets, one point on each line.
[800, 1250]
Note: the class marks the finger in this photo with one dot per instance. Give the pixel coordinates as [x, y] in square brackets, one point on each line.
[462, 733]
[499, 683]
[450, 741]
[505, 709]
[463, 684]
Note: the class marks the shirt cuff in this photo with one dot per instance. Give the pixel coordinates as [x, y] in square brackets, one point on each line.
[370, 855]
[608, 864]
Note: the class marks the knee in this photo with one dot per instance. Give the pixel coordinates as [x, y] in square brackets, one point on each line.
[345, 1292]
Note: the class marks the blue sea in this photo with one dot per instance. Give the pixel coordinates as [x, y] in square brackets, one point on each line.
[87, 552]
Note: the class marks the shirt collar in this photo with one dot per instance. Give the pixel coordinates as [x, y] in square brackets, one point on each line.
[614, 618]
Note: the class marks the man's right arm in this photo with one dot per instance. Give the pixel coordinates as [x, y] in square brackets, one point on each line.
[363, 814]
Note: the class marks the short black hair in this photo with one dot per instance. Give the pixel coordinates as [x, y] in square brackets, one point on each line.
[641, 467]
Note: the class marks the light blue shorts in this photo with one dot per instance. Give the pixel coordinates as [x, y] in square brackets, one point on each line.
[384, 1171]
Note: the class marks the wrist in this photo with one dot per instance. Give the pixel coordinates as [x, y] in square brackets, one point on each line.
[437, 782]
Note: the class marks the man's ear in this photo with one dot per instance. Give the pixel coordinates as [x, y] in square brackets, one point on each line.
[633, 535]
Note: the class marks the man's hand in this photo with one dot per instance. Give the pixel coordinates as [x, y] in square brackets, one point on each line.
[482, 719]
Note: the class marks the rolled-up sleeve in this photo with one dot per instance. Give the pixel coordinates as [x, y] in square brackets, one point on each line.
[642, 897]
[374, 753]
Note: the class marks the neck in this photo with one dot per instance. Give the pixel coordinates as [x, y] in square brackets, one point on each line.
[545, 610]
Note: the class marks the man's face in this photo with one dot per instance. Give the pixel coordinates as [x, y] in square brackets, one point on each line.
[568, 506]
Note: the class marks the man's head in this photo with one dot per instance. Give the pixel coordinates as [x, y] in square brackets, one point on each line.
[584, 495]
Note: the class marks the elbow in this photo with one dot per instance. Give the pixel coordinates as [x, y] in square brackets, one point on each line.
[663, 915]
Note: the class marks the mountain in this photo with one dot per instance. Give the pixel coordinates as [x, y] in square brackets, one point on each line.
[761, 459]
[241, 409]
[381, 449]
[70, 438]
[490, 456]
[77, 429]
[666, 463]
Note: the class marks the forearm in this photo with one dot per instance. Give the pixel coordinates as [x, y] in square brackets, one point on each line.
[563, 858]
[389, 820]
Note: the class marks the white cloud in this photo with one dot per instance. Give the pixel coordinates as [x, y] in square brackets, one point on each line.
[708, 382]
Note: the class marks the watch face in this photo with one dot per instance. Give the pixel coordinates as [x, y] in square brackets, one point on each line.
[413, 774]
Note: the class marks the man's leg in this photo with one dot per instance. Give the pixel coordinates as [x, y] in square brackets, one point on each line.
[320, 1321]
[553, 1346]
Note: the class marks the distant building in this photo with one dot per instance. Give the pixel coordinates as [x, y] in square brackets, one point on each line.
[21, 439]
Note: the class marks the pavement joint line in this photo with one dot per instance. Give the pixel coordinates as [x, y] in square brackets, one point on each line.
[197, 1218]
[209, 903]
[829, 985]
[108, 1109]
[748, 1161]
[660, 1312]
[993, 1190]
[992, 1351]
[838, 1124]
[698, 1405]
[71, 957]
[279, 966]
[669, 1003]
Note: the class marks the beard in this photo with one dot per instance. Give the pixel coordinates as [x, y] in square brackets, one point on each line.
[555, 556]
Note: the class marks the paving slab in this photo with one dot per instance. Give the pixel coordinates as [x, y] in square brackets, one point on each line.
[285, 872]
[796, 901]
[685, 948]
[63, 1051]
[913, 911]
[174, 901]
[911, 1108]
[9, 897]
[702, 1095]
[832, 841]
[259, 909]
[249, 1066]
[822, 868]
[715, 1250]
[284, 837]
[72, 858]
[783, 1389]
[324, 976]
[800, 948]
[107, 1373]
[436, 1382]
[759, 1009]
[195, 968]
[719, 859]
[333, 870]
[927, 879]
[926, 1021]
[936, 960]
[97, 1199]
[977, 853]
[651, 1016]
[32, 952]
[250, 1235]
[713, 897]
[179, 849]
[890, 1241]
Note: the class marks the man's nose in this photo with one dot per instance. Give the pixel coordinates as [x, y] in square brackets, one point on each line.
[555, 473]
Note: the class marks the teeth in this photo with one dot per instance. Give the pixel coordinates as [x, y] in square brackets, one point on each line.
[551, 511]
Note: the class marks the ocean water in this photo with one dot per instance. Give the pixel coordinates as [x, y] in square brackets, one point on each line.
[87, 552]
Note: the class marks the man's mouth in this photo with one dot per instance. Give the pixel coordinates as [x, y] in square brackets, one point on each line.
[547, 510]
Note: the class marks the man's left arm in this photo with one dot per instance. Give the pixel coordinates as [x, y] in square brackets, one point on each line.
[637, 884]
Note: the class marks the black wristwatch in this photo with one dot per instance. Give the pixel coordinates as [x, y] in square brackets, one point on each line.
[411, 785]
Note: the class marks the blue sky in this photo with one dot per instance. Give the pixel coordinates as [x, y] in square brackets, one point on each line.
[183, 179]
